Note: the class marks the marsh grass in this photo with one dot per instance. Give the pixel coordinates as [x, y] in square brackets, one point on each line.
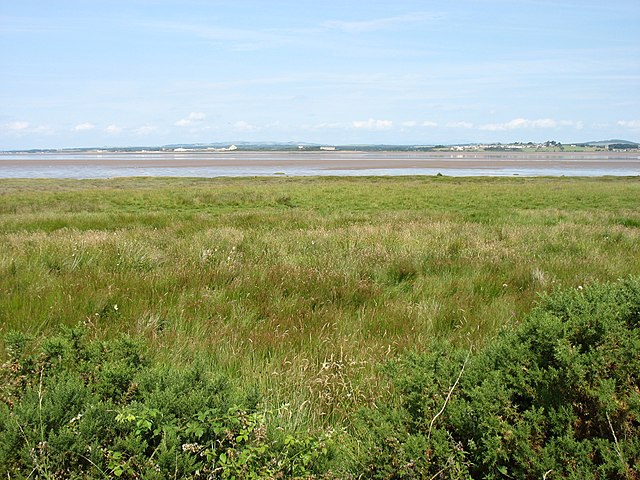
[303, 286]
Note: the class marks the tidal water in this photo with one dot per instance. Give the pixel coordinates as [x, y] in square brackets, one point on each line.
[110, 165]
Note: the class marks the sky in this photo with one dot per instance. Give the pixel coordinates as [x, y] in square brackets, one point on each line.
[93, 73]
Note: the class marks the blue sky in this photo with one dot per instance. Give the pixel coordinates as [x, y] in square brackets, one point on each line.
[153, 72]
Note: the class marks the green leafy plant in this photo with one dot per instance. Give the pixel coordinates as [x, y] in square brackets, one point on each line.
[558, 394]
[60, 418]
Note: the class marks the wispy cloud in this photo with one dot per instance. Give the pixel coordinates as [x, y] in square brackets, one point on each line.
[16, 126]
[578, 125]
[519, 123]
[22, 128]
[459, 125]
[194, 118]
[522, 123]
[28, 25]
[145, 130]
[413, 123]
[629, 123]
[243, 126]
[372, 124]
[362, 26]
[83, 127]
[113, 130]
[238, 38]
[325, 125]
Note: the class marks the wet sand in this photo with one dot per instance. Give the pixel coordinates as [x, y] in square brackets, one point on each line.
[331, 160]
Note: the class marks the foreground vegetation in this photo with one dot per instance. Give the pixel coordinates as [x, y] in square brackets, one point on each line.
[239, 326]
[559, 394]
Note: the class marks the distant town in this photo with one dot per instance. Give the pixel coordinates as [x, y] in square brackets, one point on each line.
[547, 146]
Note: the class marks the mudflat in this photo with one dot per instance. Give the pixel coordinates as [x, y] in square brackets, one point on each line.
[330, 160]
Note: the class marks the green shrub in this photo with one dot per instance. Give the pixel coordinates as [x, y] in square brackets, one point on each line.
[557, 396]
[78, 408]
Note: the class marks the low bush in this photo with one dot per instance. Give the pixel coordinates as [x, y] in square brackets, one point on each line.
[556, 397]
[74, 408]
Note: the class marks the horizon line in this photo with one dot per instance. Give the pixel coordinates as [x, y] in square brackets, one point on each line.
[321, 144]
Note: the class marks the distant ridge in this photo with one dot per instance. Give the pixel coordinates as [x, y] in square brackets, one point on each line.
[606, 143]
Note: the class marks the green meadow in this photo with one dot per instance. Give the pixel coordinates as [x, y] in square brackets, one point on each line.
[297, 291]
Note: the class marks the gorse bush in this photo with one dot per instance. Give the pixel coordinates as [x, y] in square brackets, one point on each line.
[557, 397]
[76, 408]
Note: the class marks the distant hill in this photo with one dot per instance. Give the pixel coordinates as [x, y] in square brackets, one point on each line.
[606, 143]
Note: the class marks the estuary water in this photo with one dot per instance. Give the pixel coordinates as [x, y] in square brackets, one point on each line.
[79, 165]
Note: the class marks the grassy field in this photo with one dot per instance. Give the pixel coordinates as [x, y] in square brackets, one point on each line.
[301, 288]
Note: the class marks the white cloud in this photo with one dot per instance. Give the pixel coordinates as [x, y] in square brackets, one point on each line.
[192, 119]
[629, 123]
[460, 125]
[409, 123]
[84, 127]
[520, 123]
[23, 128]
[373, 124]
[16, 126]
[113, 129]
[541, 123]
[145, 130]
[429, 124]
[579, 125]
[244, 126]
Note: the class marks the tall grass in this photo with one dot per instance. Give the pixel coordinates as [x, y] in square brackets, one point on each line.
[302, 286]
